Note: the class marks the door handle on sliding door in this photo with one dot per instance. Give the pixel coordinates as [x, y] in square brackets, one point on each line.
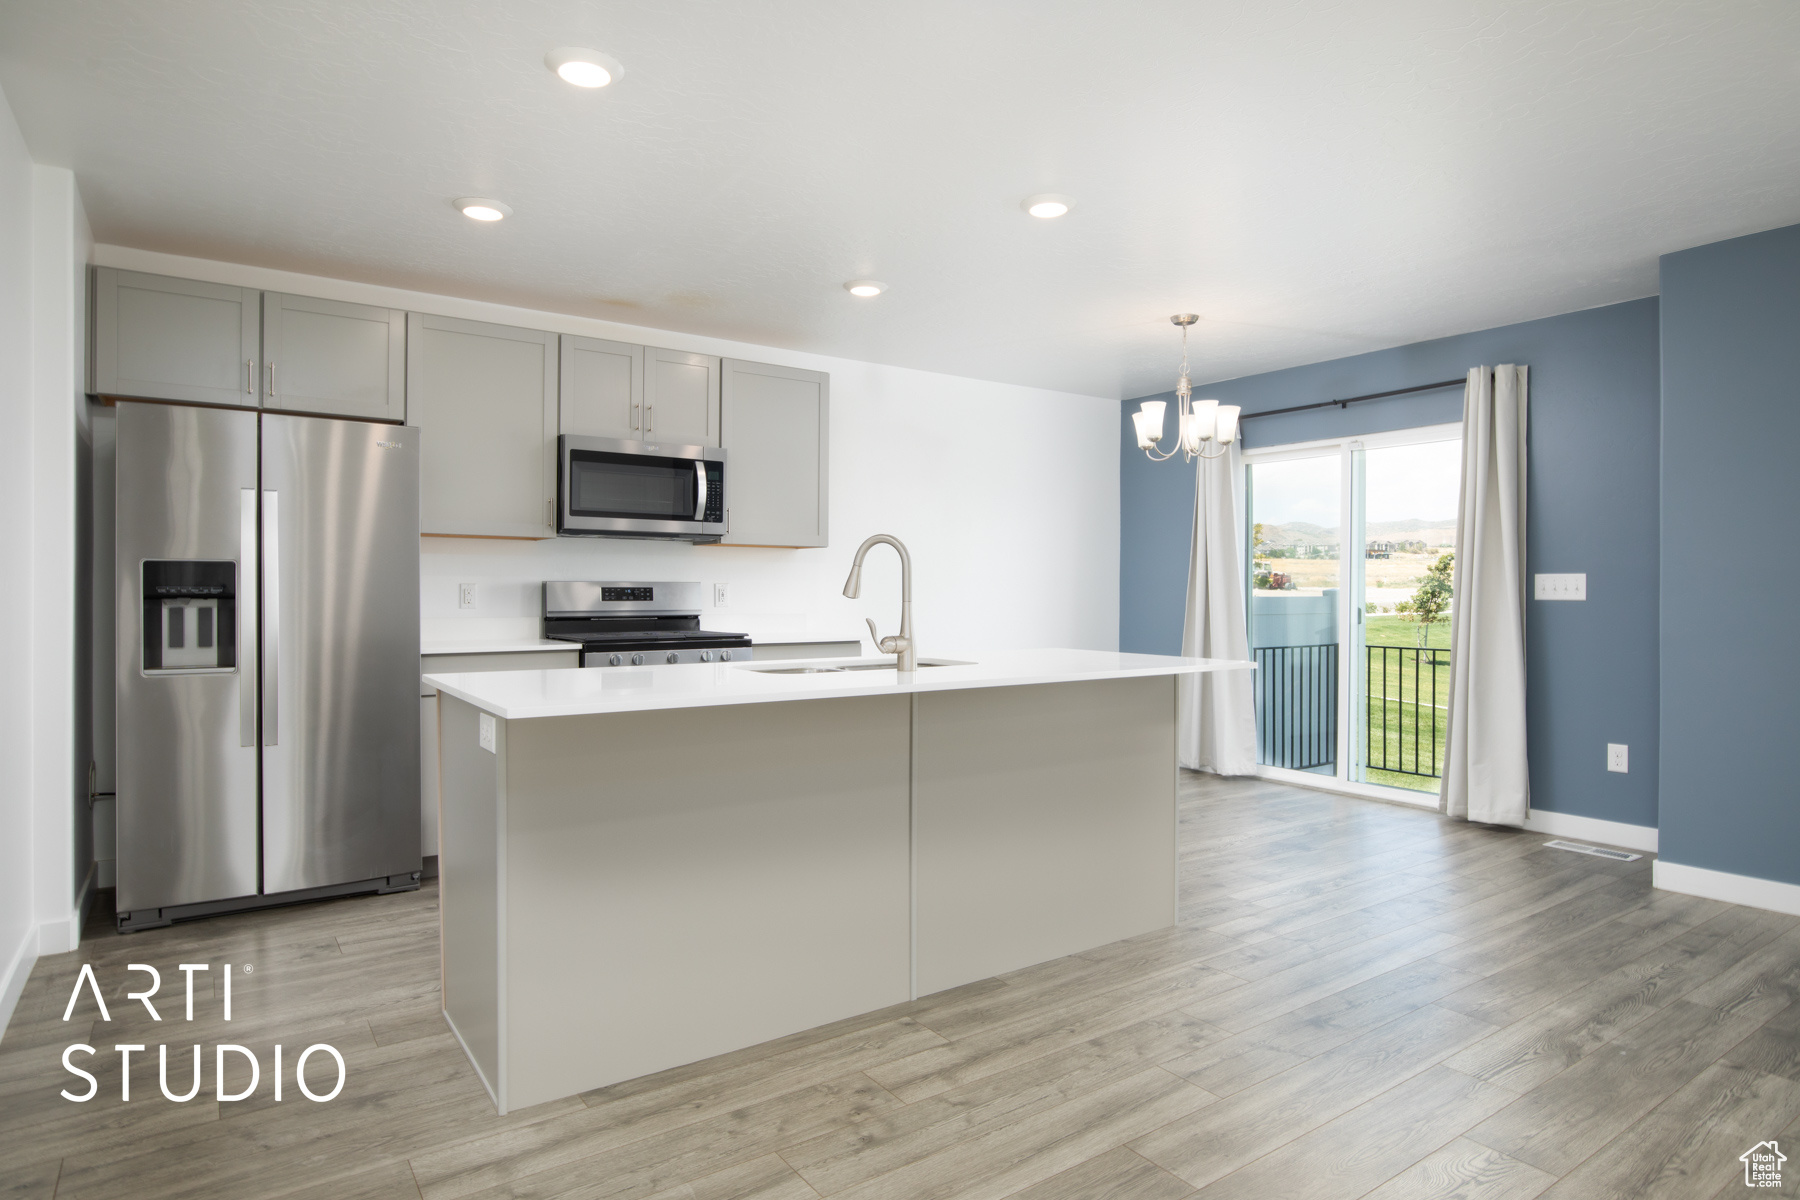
[271, 579]
[246, 616]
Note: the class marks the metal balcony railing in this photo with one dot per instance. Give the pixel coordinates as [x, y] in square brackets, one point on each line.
[1296, 706]
[1406, 695]
[1408, 698]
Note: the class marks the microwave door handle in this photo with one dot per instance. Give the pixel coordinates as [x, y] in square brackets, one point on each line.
[700, 491]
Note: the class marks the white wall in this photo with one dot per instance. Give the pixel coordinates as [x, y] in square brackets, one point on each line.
[1008, 498]
[46, 851]
[18, 919]
[60, 447]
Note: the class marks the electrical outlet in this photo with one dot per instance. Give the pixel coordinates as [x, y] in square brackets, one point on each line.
[1618, 758]
[465, 595]
[718, 595]
[487, 732]
[1560, 587]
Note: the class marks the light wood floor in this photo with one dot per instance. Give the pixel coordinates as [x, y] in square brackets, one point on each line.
[1362, 1000]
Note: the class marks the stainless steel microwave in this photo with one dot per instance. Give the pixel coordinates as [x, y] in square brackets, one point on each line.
[606, 487]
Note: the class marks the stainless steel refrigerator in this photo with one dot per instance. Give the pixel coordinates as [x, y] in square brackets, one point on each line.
[268, 660]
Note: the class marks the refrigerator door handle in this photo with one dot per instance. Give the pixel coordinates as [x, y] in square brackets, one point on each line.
[246, 621]
[271, 576]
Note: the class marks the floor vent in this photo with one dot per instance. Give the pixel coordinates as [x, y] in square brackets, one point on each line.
[1596, 851]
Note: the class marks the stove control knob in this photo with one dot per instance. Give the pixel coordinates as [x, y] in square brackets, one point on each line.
[724, 656]
[706, 656]
[615, 660]
[674, 657]
[637, 660]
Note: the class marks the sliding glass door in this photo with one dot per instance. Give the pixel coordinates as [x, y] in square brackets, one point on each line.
[1296, 517]
[1350, 547]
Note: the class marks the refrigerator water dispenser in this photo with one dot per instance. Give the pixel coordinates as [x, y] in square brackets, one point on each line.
[190, 616]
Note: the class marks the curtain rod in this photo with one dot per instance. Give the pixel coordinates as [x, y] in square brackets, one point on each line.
[1423, 387]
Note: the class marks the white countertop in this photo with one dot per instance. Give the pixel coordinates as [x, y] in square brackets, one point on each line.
[513, 695]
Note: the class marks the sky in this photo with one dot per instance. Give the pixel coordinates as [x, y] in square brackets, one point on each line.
[1402, 482]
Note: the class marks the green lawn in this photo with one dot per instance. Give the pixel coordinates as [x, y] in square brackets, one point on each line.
[1388, 630]
[1407, 720]
[1392, 739]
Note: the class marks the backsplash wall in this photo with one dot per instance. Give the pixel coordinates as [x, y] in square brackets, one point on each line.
[1011, 547]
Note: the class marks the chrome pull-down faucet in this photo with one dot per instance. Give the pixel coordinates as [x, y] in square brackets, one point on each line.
[901, 645]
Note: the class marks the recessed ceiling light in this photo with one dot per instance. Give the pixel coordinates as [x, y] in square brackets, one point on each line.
[865, 287]
[1047, 205]
[478, 209]
[584, 68]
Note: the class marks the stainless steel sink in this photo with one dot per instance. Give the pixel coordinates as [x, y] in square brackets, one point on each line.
[880, 666]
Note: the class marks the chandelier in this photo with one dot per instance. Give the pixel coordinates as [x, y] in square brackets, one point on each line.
[1201, 423]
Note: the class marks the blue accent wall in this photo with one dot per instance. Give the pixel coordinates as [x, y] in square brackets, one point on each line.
[1730, 578]
[1592, 506]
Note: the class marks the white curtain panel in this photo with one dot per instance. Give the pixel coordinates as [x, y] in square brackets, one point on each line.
[1485, 767]
[1216, 711]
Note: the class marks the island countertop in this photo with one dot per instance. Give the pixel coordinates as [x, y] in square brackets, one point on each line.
[515, 695]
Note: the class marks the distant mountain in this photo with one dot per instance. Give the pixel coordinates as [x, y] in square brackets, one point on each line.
[1412, 529]
[1298, 533]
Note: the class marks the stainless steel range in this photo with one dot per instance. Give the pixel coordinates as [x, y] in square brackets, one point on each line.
[629, 624]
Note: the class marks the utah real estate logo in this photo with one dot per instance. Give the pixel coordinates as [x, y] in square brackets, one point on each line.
[1762, 1165]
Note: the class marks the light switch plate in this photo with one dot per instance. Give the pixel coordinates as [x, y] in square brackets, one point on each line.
[1618, 758]
[487, 733]
[718, 595]
[465, 595]
[1560, 587]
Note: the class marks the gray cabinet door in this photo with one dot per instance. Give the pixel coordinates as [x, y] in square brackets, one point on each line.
[325, 356]
[681, 398]
[602, 389]
[776, 432]
[160, 338]
[485, 395]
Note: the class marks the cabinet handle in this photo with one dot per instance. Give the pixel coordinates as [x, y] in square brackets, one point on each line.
[649, 417]
[271, 379]
[249, 377]
[634, 415]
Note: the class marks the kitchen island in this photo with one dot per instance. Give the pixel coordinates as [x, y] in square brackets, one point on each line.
[644, 867]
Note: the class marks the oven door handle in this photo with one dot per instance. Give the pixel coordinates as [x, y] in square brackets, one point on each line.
[699, 491]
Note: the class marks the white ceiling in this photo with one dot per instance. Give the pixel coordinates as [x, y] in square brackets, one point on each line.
[1315, 179]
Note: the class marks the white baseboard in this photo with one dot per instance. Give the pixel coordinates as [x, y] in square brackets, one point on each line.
[64, 933]
[1722, 885]
[12, 979]
[1641, 838]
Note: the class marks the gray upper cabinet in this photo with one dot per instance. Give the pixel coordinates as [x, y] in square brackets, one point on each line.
[602, 392]
[776, 433]
[325, 356]
[681, 398]
[485, 395]
[159, 338]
